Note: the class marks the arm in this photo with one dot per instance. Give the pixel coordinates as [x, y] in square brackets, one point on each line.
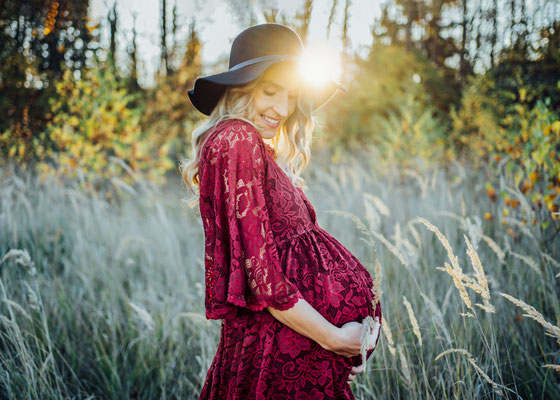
[307, 321]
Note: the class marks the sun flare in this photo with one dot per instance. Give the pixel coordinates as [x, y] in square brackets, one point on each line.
[319, 64]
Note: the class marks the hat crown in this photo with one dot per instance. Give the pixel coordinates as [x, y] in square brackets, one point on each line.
[264, 40]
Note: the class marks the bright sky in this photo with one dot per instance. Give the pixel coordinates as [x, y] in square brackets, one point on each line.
[217, 26]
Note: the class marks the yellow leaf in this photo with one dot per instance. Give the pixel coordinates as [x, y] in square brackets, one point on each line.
[21, 150]
[522, 94]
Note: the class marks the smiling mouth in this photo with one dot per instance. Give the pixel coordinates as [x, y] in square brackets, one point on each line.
[271, 122]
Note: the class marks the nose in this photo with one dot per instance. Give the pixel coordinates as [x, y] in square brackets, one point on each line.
[281, 107]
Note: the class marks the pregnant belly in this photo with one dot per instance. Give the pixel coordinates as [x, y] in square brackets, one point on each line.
[329, 277]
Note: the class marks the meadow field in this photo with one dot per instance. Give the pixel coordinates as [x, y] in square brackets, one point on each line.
[439, 168]
[103, 297]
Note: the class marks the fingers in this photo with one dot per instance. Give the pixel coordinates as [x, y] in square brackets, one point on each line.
[354, 372]
[351, 378]
[347, 355]
[357, 370]
[373, 339]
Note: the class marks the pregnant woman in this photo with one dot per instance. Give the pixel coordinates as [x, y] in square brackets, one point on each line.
[290, 296]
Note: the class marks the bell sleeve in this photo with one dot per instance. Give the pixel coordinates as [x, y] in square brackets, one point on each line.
[252, 274]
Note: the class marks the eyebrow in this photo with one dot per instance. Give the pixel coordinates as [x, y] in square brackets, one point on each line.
[276, 85]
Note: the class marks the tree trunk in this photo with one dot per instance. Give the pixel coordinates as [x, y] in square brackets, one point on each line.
[465, 27]
[331, 17]
[494, 34]
[133, 54]
[164, 52]
[305, 19]
[113, 20]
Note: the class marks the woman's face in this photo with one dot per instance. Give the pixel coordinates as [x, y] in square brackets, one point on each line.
[274, 100]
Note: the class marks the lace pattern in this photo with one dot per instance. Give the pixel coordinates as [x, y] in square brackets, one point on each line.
[263, 246]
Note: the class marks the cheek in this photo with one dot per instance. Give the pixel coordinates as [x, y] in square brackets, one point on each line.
[259, 104]
[292, 108]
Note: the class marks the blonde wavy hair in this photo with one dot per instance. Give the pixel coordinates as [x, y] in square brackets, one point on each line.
[292, 143]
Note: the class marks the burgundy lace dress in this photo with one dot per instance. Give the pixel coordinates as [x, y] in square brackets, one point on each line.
[263, 247]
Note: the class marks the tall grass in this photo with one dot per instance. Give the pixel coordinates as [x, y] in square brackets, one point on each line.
[105, 299]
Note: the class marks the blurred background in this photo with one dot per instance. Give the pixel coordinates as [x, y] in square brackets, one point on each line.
[428, 80]
[452, 115]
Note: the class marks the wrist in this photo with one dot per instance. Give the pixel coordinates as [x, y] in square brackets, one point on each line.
[334, 339]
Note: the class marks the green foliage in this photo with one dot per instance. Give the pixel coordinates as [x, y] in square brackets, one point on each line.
[411, 135]
[39, 38]
[389, 107]
[493, 128]
[92, 122]
[167, 114]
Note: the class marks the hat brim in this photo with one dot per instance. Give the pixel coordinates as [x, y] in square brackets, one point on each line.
[208, 90]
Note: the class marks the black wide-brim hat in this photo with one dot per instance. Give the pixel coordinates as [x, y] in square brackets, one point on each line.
[252, 52]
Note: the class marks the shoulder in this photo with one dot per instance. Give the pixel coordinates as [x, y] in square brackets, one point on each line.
[235, 133]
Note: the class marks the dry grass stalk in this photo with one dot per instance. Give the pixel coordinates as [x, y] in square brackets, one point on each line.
[415, 233]
[480, 276]
[525, 206]
[472, 360]
[404, 367]
[397, 236]
[551, 330]
[474, 230]
[461, 281]
[444, 242]
[413, 321]
[458, 284]
[527, 260]
[143, 315]
[423, 182]
[359, 223]
[551, 260]
[367, 338]
[372, 216]
[488, 308]
[378, 203]
[196, 317]
[462, 351]
[391, 248]
[19, 308]
[436, 311]
[522, 227]
[409, 246]
[387, 332]
[22, 258]
[495, 248]
[456, 217]
[433, 182]
[377, 292]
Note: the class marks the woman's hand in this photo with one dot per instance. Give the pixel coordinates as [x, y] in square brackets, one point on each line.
[347, 340]
[355, 371]
[304, 319]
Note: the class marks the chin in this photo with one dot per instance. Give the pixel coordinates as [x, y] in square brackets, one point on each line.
[268, 134]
